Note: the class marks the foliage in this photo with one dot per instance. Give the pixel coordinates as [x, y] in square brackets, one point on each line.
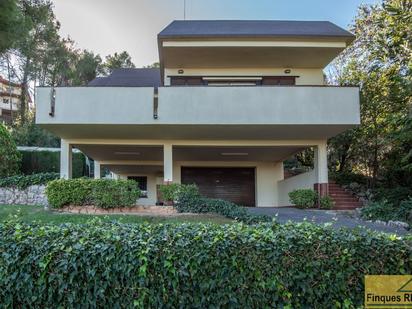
[192, 265]
[188, 200]
[9, 156]
[380, 62]
[116, 61]
[104, 193]
[385, 211]
[30, 134]
[9, 17]
[303, 198]
[49, 161]
[24, 181]
[326, 202]
[169, 191]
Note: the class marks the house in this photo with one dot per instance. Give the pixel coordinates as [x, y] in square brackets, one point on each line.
[10, 96]
[231, 101]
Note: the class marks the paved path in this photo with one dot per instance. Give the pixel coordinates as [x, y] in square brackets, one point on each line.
[338, 219]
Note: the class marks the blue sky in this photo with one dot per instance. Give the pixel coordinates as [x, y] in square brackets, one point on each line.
[107, 26]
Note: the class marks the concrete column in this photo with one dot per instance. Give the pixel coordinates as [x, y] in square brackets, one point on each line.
[97, 170]
[65, 160]
[168, 163]
[321, 168]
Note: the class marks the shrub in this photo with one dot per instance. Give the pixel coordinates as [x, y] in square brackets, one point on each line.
[169, 191]
[104, 193]
[9, 155]
[24, 181]
[326, 202]
[303, 198]
[385, 211]
[188, 199]
[192, 265]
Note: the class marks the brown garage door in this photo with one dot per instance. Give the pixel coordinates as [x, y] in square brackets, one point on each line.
[232, 184]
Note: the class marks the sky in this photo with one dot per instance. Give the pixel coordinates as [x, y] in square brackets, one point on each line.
[108, 26]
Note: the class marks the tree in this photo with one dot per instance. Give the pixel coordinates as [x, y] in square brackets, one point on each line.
[9, 155]
[9, 19]
[116, 61]
[154, 65]
[86, 68]
[379, 61]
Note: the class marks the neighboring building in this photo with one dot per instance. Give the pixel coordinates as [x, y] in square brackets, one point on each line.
[231, 101]
[10, 96]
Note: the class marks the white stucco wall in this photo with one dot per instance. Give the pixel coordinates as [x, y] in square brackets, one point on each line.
[302, 181]
[306, 76]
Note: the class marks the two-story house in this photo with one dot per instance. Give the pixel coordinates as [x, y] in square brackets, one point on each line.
[231, 101]
[10, 96]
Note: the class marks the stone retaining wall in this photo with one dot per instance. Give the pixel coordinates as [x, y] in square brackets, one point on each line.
[33, 195]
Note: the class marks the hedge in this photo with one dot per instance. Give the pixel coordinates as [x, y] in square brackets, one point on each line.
[24, 181]
[104, 193]
[49, 162]
[192, 265]
[9, 156]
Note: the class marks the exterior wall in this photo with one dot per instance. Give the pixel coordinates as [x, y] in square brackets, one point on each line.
[302, 181]
[267, 175]
[306, 76]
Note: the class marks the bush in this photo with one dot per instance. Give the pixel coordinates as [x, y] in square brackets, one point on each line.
[385, 211]
[326, 202]
[24, 181]
[303, 198]
[169, 191]
[192, 265]
[188, 199]
[9, 156]
[104, 193]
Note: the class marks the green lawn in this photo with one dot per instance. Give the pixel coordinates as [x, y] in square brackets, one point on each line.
[38, 214]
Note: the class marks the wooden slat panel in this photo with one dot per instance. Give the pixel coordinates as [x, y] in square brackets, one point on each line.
[232, 184]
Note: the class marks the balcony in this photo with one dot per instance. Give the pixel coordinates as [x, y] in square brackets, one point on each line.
[265, 112]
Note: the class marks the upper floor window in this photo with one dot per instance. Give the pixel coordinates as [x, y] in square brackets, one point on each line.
[5, 100]
[232, 81]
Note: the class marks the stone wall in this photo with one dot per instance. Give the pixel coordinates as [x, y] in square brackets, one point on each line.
[33, 195]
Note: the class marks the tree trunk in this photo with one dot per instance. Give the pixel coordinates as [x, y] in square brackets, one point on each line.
[24, 92]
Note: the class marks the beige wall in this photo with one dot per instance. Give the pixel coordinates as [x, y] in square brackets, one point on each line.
[301, 181]
[306, 76]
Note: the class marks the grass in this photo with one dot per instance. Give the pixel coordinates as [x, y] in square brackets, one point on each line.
[38, 214]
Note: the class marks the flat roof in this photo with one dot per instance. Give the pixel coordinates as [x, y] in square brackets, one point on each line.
[252, 28]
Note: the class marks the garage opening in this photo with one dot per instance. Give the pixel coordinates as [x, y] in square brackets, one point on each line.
[236, 185]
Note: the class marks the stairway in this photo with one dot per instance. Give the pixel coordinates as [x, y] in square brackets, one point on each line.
[343, 200]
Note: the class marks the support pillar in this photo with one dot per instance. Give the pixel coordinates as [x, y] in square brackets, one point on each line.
[321, 167]
[97, 170]
[65, 160]
[167, 163]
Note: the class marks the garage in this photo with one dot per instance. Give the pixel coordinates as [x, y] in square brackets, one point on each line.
[232, 184]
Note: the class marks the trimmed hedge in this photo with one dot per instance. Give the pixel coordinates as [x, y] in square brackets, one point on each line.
[24, 181]
[104, 193]
[192, 265]
[188, 199]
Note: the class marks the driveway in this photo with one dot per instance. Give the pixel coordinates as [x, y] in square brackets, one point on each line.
[337, 218]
